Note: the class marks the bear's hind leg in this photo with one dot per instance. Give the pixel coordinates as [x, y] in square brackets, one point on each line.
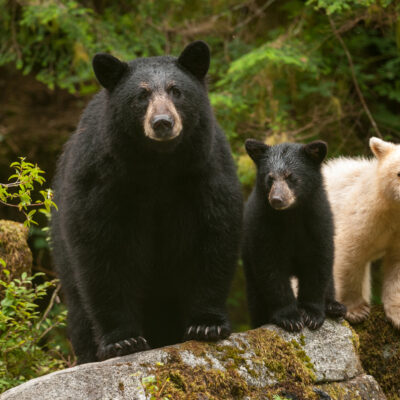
[80, 332]
[280, 302]
[255, 303]
[391, 288]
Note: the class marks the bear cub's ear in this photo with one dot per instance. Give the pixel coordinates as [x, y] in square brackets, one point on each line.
[316, 150]
[379, 147]
[196, 59]
[108, 69]
[255, 149]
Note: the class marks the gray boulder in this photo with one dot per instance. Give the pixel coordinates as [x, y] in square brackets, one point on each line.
[265, 363]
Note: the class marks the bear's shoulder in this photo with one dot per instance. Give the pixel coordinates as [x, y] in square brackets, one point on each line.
[344, 173]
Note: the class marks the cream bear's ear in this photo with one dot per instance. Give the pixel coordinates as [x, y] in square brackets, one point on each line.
[379, 147]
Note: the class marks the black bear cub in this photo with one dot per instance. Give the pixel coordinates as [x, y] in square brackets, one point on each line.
[148, 230]
[288, 232]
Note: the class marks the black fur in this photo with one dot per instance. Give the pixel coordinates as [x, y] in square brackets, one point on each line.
[297, 241]
[147, 234]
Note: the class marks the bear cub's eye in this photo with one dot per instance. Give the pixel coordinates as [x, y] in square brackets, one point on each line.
[174, 91]
[398, 174]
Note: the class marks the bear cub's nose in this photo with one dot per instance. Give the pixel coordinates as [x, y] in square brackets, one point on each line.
[162, 125]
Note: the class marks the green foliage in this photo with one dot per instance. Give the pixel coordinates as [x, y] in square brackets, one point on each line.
[278, 70]
[332, 6]
[21, 187]
[154, 387]
[24, 352]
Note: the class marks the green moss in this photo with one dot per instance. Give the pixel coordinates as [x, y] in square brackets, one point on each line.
[354, 337]
[302, 355]
[339, 392]
[233, 355]
[179, 381]
[380, 351]
[285, 361]
[14, 249]
[291, 371]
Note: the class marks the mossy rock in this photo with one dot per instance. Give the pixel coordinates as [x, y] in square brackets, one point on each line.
[14, 249]
[360, 388]
[380, 351]
[265, 363]
[260, 365]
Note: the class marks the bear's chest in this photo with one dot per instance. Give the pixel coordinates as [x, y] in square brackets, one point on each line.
[163, 226]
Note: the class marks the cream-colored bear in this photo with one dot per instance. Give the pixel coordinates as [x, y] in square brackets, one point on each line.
[365, 200]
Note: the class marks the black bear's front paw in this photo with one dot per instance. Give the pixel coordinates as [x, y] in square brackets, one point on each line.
[288, 319]
[122, 348]
[335, 309]
[208, 331]
[313, 317]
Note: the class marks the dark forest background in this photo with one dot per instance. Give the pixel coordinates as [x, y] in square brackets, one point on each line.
[281, 70]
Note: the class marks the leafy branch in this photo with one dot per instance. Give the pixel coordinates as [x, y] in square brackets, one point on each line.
[18, 193]
[23, 327]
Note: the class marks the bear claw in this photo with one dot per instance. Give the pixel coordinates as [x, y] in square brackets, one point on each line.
[357, 313]
[312, 319]
[207, 332]
[291, 326]
[335, 309]
[122, 348]
[289, 319]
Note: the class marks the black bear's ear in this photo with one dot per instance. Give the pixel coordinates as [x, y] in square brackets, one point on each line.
[196, 59]
[255, 149]
[108, 69]
[316, 150]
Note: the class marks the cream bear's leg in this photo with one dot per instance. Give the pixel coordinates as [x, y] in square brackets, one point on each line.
[353, 286]
[391, 287]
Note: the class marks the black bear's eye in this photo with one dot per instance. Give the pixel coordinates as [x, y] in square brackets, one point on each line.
[143, 94]
[290, 177]
[175, 92]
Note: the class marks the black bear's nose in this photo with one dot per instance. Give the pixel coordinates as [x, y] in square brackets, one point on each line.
[162, 124]
[276, 202]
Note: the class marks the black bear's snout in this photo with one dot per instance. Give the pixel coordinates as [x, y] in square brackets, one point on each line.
[163, 121]
[277, 202]
[162, 125]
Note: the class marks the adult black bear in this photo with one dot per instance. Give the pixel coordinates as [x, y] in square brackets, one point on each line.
[147, 234]
[288, 232]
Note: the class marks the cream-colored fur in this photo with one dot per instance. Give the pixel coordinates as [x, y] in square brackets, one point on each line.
[365, 199]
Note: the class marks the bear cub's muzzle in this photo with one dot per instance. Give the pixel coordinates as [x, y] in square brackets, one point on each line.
[281, 196]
